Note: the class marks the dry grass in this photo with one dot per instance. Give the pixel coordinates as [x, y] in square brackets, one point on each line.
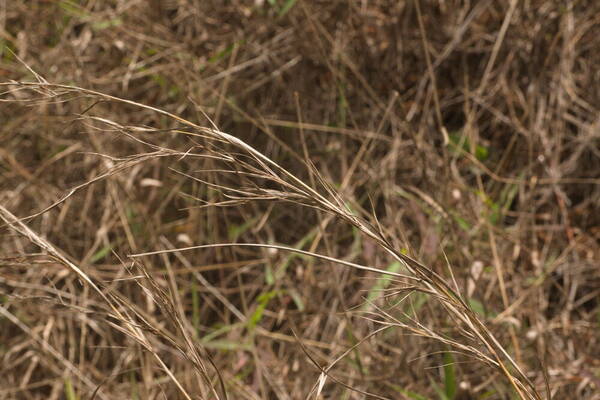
[297, 199]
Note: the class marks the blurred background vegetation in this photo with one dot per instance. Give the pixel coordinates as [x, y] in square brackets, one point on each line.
[470, 129]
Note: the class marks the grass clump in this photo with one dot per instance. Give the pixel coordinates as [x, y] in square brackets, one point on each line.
[284, 199]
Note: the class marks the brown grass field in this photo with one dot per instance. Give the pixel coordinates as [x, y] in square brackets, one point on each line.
[299, 199]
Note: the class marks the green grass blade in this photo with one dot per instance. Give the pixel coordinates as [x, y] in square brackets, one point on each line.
[449, 376]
